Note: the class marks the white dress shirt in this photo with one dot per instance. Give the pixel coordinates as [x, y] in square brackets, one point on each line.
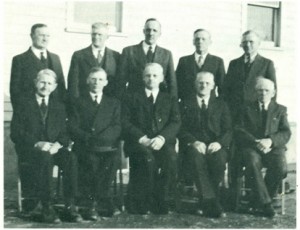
[99, 96]
[37, 52]
[153, 92]
[252, 57]
[206, 99]
[39, 99]
[95, 51]
[198, 55]
[266, 104]
[146, 47]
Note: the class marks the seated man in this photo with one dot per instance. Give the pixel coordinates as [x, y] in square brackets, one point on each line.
[38, 129]
[150, 121]
[95, 126]
[262, 134]
[204, 140]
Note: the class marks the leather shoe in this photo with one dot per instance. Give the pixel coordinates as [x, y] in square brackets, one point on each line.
[92, 214]
[268, 210]
[70, 214]
[49, 215]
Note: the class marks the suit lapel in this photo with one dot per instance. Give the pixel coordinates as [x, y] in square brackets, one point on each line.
[109, 63]
[139, 55]
[89, 57]
[270, 113]
[256, 66]
[158, 55]
[192, 63]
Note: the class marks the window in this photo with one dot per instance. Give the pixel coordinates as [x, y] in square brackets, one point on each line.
[264, 17]
[80, 15]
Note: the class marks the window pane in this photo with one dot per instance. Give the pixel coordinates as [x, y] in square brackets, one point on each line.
[261, 19]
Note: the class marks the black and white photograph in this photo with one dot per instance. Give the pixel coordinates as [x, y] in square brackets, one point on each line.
[150, 114]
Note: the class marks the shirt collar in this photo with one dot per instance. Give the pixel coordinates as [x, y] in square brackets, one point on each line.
[39, 99]
[198, 55]
[95, 51]
[252, 57]
[37, 52]
[99, 96]
[206, 100]
[153, 92]
[146, 47]
[266, 104]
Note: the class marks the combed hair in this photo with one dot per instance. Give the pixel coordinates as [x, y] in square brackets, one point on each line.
[152, 19]
[154, 64]
[97, 69]
[200, 30]
[36, 26]
[46, 72]
[99, 24]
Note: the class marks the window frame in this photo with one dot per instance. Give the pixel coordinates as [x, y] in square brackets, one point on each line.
[265, 44]
[85, 28]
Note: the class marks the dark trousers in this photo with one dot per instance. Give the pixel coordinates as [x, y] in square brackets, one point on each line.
[151, 173]
[97, 172]
[265, 188]
[206, 170]
[38, 172]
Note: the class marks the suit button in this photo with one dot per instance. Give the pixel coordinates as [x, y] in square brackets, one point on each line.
[93, 129]
[159, 120]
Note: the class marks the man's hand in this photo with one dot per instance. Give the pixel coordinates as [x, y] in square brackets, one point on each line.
[264, 145]
[200, 146]
[157, 143]
[213, 147]
[145, 141]
[54, 148]
[43, 145]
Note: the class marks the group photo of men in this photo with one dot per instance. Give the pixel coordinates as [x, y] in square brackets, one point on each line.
[196, 128]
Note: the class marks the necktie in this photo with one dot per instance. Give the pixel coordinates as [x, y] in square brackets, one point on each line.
[200, 61]
[149, 55]
[263, 115]
[43, 59]
[203, 105]
[99, 57]
[43, 108]
[151, 98]
[95, 100]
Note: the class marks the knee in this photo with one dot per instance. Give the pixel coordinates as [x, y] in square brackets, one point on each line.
[252, 158]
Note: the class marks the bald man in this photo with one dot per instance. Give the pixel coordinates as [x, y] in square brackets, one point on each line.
[150, 123]
[134, 59]
[204, 140]
[200, 60]
[96, 55]
[262, 135]
[239, 83]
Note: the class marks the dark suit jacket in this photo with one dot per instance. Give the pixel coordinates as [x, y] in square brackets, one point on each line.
[238, 88]
[277, 126]
[90, 131]
[27, 125]
[24, 69]
[136, 114]
[187, 70]
[81, 64]
[219, 122]
[133, 61]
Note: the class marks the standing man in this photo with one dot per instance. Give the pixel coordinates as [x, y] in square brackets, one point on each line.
[263, 133]
[134, 59]
[95, 125]
[39, 131]
[150, 121]
[25, 66]
[239, 85]
[204, 140]
[201, 60]
[96, 55]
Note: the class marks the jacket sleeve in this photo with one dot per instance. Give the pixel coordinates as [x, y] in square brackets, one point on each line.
[171, 77]
[226, 128]
[227, 85]
[73, 77]
[180, 78]
[15, 81]
[61, 85]
[170, 131]
[282, 136]
[123, 71]
[220, 77]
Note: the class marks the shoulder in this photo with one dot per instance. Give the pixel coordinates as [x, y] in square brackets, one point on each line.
[164, 50]
[111, 100]
[264, 59]
[218, 59]
[115, 53]
[186, 58]
[22, 55]
[131, 48]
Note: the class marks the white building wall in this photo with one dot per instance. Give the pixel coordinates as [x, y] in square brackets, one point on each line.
[224, 19]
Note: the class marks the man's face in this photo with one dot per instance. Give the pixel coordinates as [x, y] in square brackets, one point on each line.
[202, 41]
[99, 36]
[97, 81]
[204, 83]
[265, 91]
[40, 38]
[152, 32]
[153, 76]
[250, 43]
[45, 85]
